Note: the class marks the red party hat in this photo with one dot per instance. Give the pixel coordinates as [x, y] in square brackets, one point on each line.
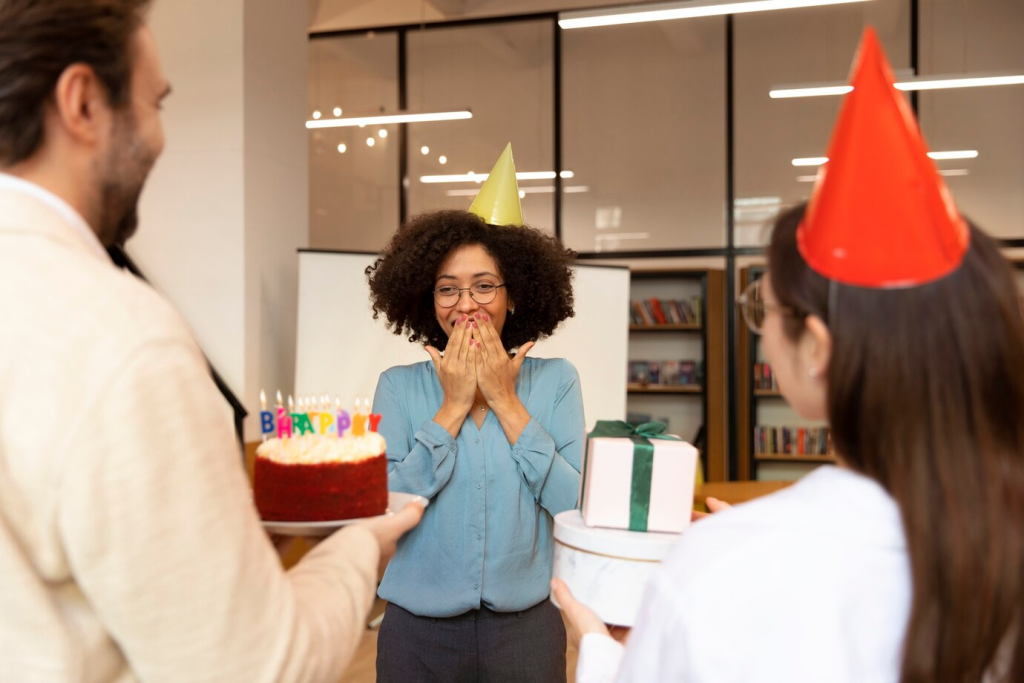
[880, 215]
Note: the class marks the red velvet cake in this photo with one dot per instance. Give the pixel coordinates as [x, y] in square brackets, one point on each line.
[321, 478]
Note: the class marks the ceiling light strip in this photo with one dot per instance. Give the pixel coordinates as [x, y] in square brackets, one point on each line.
[611, 16]
[906, 84]
[385, 119]
[937, 156]
[480, 177]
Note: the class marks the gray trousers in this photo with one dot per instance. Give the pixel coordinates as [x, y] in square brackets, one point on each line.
[480, 645]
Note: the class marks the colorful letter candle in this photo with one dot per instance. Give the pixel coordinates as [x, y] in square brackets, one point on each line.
[284, 424]
[637, 478]
[374, 421]
[326, 420]
[358, 422]
[303, 425]
[266, 417]
[344, 422]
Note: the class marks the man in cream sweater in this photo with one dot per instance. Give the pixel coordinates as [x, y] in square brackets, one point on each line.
[129, 545]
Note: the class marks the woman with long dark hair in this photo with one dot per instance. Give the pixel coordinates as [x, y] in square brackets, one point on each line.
[890, 316]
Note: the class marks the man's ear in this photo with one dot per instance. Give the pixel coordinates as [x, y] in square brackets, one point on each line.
[81, 105]
[819, 350]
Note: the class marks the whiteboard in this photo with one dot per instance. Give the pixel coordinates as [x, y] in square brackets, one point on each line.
[341, 350]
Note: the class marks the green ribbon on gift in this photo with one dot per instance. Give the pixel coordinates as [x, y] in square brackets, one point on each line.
[643, 462]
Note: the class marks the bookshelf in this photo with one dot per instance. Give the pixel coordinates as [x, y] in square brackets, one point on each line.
[764, 407]
[695, 406]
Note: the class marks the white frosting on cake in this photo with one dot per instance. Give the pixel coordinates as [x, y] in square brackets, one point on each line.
[313, 449]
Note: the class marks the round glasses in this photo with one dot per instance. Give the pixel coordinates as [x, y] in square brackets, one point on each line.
[447, 296]
[754, 308]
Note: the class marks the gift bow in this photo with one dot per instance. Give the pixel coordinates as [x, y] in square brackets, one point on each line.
[643, 462]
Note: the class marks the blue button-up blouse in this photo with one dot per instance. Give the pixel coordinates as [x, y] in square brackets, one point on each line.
[486, 538]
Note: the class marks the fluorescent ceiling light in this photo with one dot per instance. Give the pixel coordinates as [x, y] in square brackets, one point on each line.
[384, 119]
[810, 161]
[757, 201]
[810, 91]
[944, 82]
[806, 178]
[938, 156]
[959, 154]
[545, 189]
[480, 177]
[905, 83]
[954, 171]
[636, 14]
[623, 236]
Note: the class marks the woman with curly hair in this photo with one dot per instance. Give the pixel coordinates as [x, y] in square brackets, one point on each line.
[493, 438]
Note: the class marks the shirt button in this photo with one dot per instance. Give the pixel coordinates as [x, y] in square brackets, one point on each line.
[479, 537]
[477, 441]
[476, 585]
[479, 486]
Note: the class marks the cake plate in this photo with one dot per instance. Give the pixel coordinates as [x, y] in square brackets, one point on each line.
[396, 501]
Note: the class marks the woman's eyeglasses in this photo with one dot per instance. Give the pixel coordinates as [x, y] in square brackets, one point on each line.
[447, 296]
[754, 308]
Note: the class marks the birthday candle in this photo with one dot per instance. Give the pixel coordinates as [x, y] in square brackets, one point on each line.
[358, 421]
[291, 412]
[374, 419]
[325, 422]
[266, 417]
[343, 422]
[284, 420]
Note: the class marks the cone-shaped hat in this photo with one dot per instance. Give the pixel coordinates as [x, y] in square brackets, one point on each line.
[498, 200]
[879, 214]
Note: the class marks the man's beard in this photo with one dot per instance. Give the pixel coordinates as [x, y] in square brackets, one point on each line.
[122, 175]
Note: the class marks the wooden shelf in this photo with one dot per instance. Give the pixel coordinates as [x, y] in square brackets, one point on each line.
[664, 389]
[672, 327]
[785, 457]
[767, 393]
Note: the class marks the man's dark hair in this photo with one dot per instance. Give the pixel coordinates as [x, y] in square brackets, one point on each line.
[534, 266]
[39, 39]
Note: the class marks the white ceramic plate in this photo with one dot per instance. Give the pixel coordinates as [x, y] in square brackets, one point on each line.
[396, 501]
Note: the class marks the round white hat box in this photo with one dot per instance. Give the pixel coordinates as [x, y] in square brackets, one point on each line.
[607, 569]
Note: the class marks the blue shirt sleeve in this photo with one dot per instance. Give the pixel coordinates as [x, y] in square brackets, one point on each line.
[423, 465]
[550, 461]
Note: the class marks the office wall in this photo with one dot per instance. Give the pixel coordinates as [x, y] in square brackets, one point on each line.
[227, 204]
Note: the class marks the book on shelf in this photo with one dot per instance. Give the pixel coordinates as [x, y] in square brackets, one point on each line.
[656, 311]
[670, 373]
[764, 378]
[783, 440]
[637, 419]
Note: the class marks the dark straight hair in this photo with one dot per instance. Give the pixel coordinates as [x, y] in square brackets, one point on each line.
[926, 396]
[39, 39]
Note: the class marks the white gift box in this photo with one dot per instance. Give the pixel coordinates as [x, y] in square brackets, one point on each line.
[607, 487]
[606, 569]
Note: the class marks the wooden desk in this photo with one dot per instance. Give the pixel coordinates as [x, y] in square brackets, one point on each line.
[734, 492]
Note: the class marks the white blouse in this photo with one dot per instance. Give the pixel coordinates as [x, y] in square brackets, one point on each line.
[809, 584]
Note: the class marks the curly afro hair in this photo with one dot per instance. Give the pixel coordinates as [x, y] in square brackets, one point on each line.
[533, 265]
